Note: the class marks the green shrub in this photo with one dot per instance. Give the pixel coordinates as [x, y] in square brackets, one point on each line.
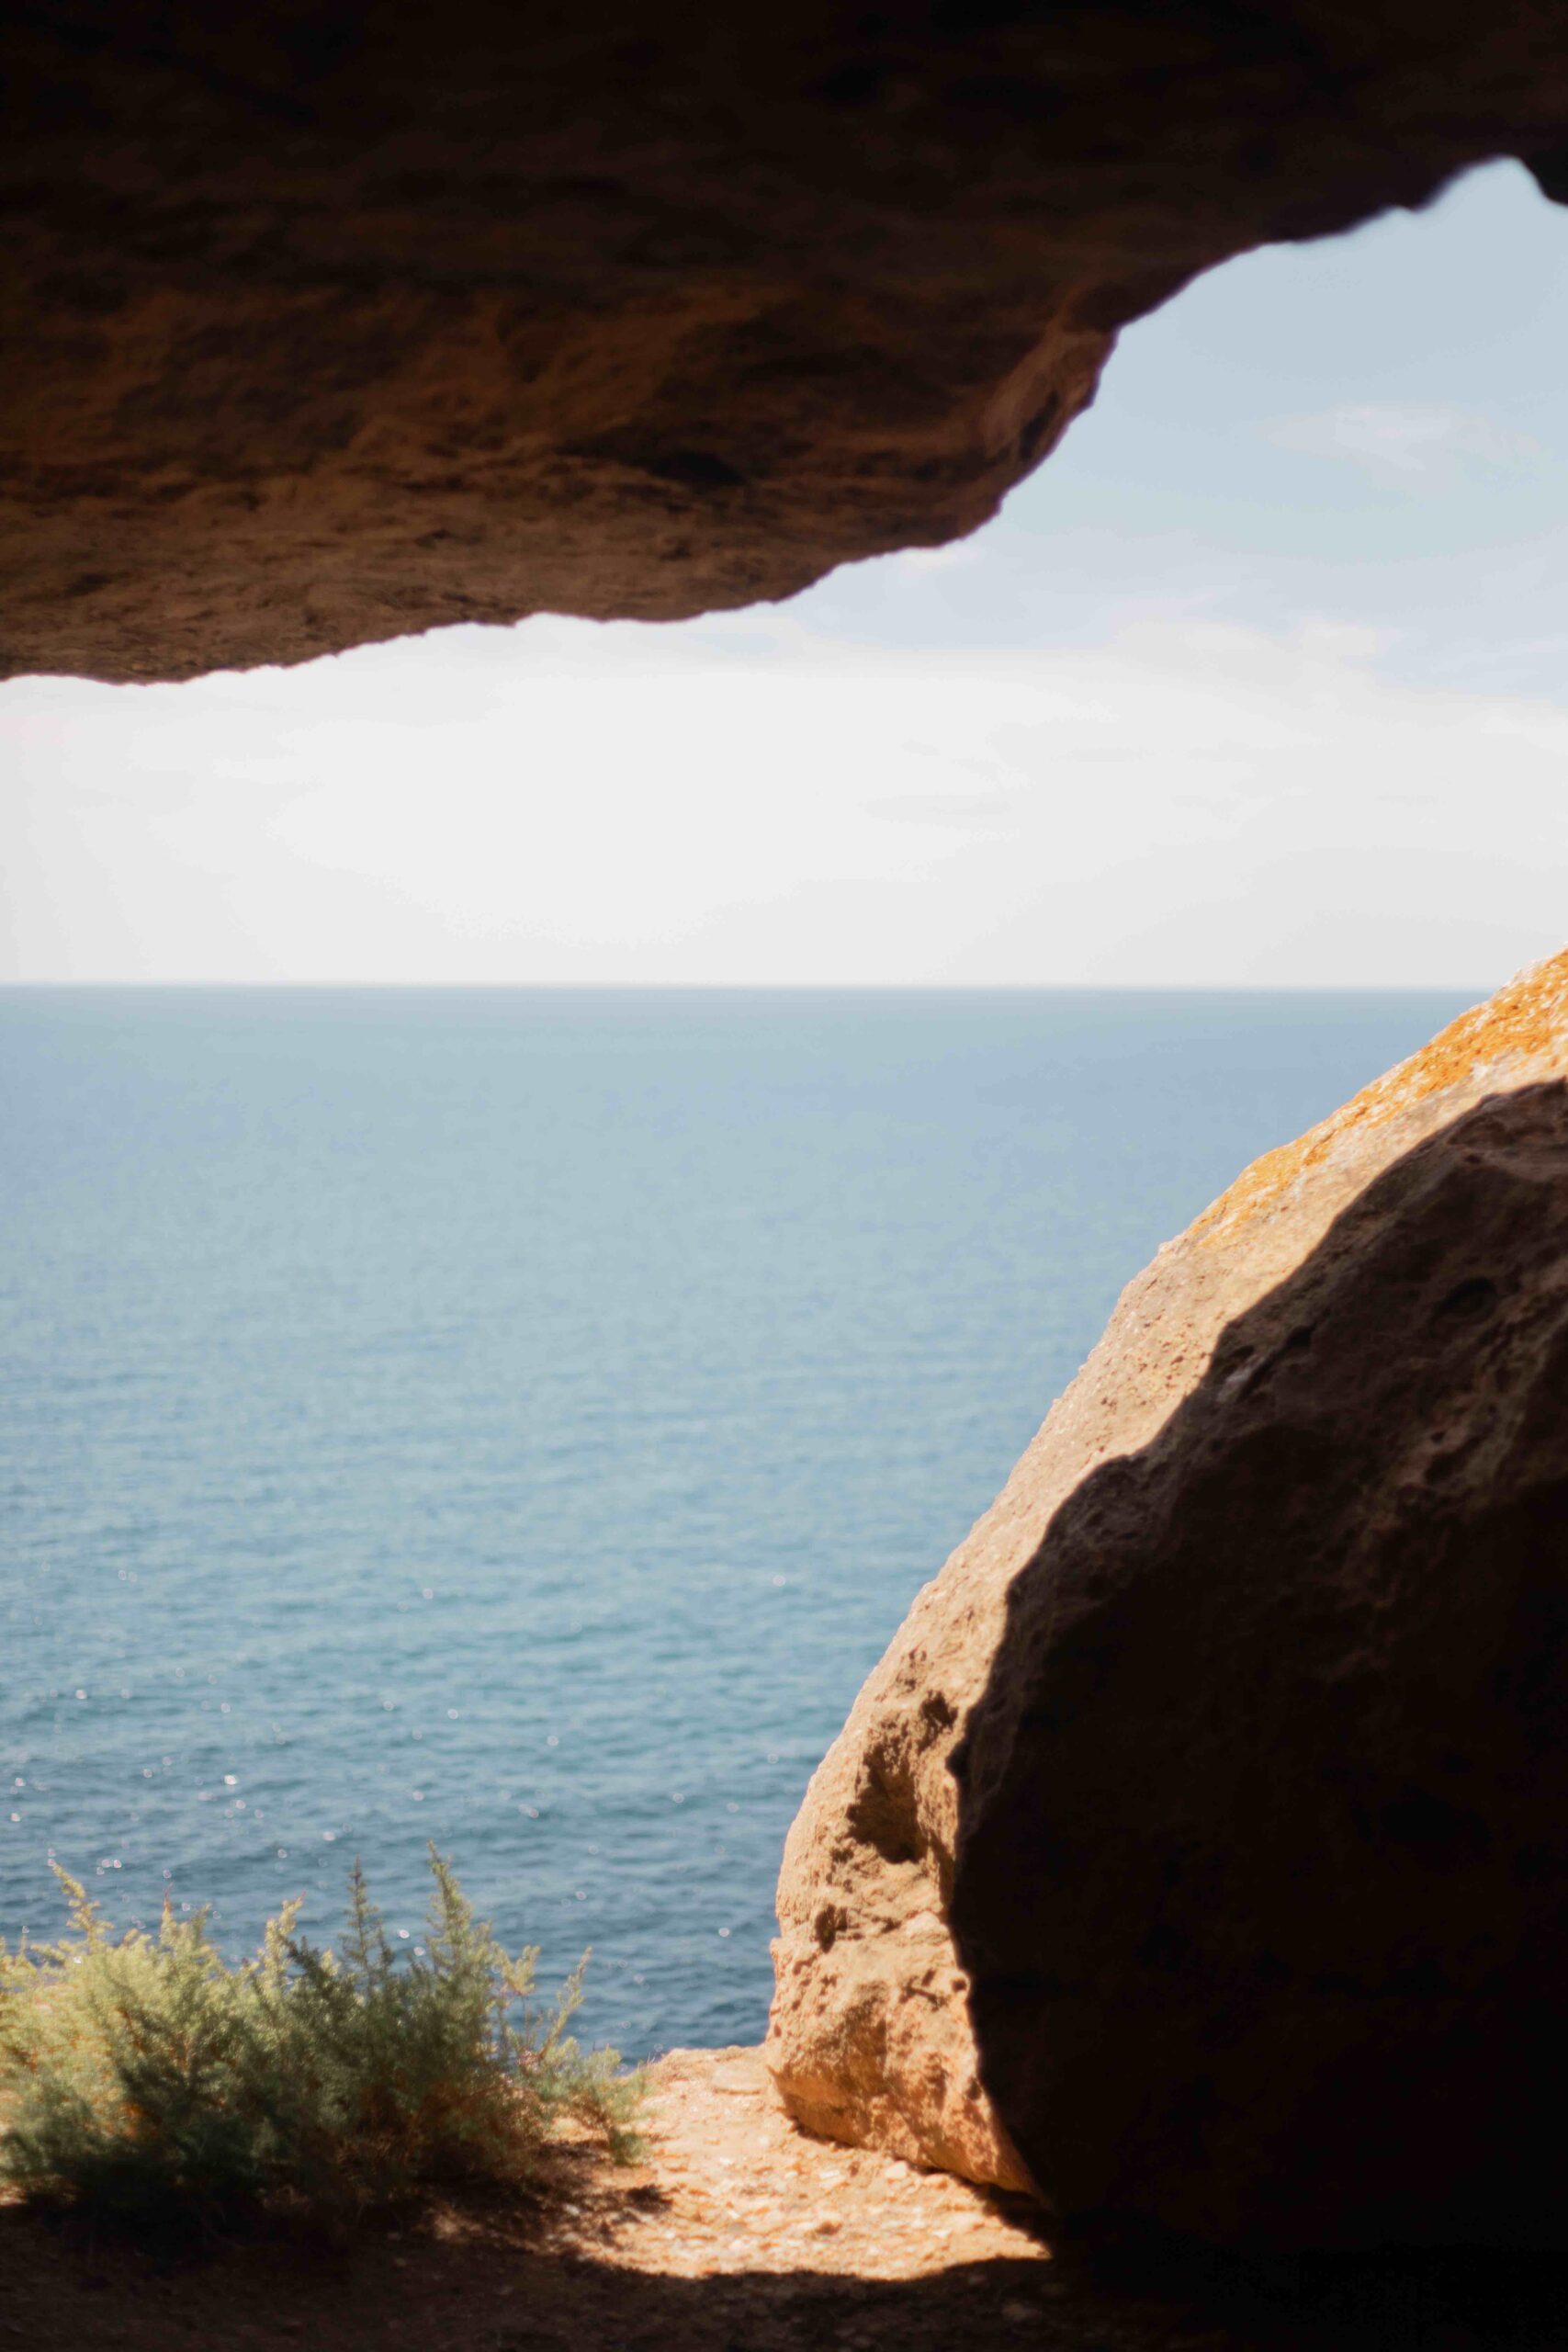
[144, 2075]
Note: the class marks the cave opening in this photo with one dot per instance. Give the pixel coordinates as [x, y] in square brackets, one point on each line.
[1203, 705]
[1202, 710]
[546, 1162]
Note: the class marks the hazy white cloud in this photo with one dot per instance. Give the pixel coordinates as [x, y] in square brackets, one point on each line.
[954, 557]
[1184, 801]
[1421, 446]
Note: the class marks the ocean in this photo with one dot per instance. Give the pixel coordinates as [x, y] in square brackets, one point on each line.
[520, 1418]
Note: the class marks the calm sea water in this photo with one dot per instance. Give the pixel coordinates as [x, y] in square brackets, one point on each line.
[521, 1419]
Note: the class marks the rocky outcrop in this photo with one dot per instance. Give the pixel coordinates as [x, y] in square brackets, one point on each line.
[331, 324]
[1230, 1747]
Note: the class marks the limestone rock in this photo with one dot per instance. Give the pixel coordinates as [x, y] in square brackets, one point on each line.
[329, 325]
[1257, 1852]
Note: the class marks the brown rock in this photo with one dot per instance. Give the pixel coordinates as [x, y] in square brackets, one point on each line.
[1258, 1663]
[331, 324]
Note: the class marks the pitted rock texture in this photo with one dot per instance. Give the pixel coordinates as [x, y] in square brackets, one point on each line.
[326, 325]
[1255, 1668]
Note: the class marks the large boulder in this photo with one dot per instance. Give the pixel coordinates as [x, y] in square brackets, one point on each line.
[333, 322]
[1200, 1850]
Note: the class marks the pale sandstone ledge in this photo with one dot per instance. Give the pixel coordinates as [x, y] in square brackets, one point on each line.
[870, 2040]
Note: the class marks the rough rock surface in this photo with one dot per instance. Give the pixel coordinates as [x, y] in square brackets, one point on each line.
[329, 325]
[1260, 1843]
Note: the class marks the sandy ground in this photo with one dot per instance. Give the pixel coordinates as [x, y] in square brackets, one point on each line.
[737, 2234]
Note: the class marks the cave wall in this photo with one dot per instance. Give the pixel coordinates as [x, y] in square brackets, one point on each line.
[325, 326]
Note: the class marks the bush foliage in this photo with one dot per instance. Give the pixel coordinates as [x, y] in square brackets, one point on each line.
[143, 2074]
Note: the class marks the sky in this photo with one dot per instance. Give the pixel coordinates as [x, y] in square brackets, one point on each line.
[1262, 681]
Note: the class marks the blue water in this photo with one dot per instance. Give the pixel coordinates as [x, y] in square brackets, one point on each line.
[520, 1418]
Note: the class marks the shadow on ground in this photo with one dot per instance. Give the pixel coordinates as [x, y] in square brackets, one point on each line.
[492, 2282]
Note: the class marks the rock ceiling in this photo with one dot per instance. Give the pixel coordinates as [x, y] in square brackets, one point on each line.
[328, 325]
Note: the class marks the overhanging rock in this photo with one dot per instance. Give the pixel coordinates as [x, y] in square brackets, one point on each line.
[325, 326]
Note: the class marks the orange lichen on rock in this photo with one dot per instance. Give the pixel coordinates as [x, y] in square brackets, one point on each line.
[1517, 1035]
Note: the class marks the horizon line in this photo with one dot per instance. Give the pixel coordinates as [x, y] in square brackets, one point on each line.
[769, 988]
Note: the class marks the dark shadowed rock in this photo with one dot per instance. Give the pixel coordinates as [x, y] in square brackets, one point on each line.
[330, 323]
[1256, 1855]
[1262, 1871]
